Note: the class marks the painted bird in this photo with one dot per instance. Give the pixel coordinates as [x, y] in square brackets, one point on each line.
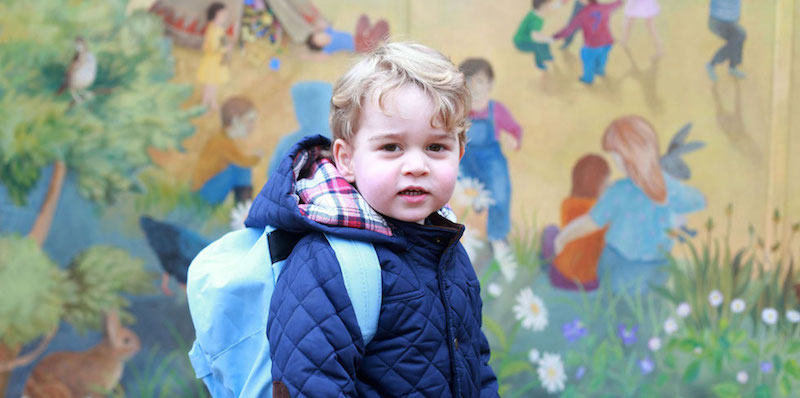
[175, 248]
[81, 73]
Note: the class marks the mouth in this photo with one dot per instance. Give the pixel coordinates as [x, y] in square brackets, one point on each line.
[413, 191]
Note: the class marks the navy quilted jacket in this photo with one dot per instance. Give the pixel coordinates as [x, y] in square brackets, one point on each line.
[429, 341]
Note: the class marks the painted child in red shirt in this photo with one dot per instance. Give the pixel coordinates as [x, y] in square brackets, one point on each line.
[597, 39]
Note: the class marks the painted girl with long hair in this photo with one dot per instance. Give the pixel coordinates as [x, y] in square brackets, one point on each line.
[637, 210]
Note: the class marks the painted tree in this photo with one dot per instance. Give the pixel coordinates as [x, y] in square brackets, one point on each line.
[102, 142]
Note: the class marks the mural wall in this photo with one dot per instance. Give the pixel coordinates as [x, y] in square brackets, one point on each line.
[629, 189]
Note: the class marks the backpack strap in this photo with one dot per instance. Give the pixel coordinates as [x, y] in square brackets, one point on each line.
[362, 278]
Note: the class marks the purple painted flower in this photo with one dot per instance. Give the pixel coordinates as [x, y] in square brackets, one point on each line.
[628, 336]
[574, 330]
[580, 372]
[646, 365]
[766, 366]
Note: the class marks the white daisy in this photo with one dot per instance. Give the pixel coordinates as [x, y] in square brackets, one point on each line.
[239, 214]
[506, 259]
[654, 344]
[770, 316]
[715, 298]
[471, 192]
[534, 356]
[530, 310]
[738, 306]
[551, 373]
[684, 309]
[793, 316]
[471, 241]
[742, 377]
[670, 326]
[494, 289]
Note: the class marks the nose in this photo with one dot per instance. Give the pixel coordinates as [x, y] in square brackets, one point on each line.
[415, 163]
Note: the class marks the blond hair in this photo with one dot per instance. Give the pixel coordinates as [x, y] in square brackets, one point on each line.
[636, 141]
[391, 66]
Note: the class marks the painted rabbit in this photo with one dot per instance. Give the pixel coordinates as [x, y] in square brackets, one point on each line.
[91, 373]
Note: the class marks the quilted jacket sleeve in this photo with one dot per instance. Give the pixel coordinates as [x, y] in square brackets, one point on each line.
[488, 379]
[315, 341]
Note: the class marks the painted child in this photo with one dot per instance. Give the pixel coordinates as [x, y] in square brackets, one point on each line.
[638, 210]
[529, 36]
[646, 10]
[312, 105]
[398, 118]
[223, 167]
[723, 21]
[579, 5]
[593, 21]
[213, 70]
[483, 157]
[576, 266]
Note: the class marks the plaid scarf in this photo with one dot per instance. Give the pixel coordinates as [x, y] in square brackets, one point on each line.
[325, 197]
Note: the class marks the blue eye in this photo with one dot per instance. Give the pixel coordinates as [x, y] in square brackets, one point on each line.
[390, 147]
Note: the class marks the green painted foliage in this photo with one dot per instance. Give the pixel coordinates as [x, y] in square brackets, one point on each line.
[104, 139]
[33, 291]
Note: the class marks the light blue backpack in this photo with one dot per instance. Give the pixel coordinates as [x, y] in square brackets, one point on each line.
[229, 289]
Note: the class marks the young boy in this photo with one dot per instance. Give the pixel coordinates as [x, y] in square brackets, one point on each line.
[222, 166]
[398, 120]
[593, 21]
[529, 36]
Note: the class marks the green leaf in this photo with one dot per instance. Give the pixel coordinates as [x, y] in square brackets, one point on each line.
[493, 327]
[726, 390]
[692, 372]
[792, 368]
[597, 382]
[600, 358]
[763, 391]
[513, 368]
[786, 385]
[794, 347]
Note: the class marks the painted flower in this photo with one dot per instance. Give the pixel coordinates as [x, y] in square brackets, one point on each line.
[551, 373]
[494, 289]
[530, 310]
[698, 350]
[239, 214]
[793, 316]
[506, 259]
[628, 336]
[654, 344]
[471, 241]
[471, 192]
[684, 309]
[715, 298]
[580, 372]
[770, 316]
[574, 330]
[766, 366]
[534, 356]
[742, 377]
[646, 365]
[738, 306]
[670, 326]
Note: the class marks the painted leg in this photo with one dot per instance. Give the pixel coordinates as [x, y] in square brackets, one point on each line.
[657, 43]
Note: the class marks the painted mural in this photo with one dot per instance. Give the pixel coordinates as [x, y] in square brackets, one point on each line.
[629, 187]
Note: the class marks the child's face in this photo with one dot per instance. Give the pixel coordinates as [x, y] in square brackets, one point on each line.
[480, 85]
[402, 166]
[221, 17]
[242, 125]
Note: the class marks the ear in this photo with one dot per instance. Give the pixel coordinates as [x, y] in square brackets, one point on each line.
[343, 157]
[112, 325]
